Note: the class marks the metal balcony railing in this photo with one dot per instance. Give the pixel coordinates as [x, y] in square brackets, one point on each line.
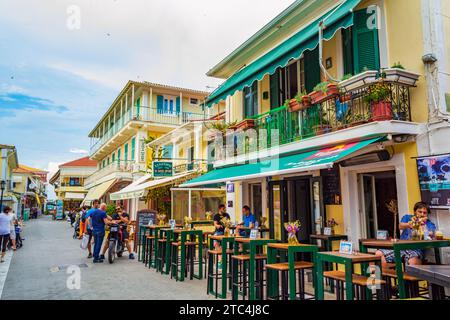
[115, 167]
[149, 115]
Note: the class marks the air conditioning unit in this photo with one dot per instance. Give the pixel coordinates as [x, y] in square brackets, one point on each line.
[382, 155]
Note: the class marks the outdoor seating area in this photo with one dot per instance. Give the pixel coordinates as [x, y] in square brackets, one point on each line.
[256, 268]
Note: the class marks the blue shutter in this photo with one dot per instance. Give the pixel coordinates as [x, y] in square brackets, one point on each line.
[160, 104]
[178, 105]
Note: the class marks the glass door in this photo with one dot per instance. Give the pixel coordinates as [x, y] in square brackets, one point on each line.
[256, 201]
[368, 206]
[277, 211]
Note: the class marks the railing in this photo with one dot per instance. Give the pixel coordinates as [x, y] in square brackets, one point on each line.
[114, 167]
[341, 111]
[199, 165]
[149, 115]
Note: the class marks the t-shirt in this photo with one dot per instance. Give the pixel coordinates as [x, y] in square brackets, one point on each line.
[248, 221]
[5, 224]
[407, 233]
[86, 216]
[12, 225]
[218, 217]
[97, 220]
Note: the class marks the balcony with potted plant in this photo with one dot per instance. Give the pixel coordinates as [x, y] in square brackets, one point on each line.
[398, 74]
[324, 91]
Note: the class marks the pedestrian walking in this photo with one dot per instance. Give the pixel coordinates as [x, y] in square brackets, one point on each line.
[12, 234]
[5, 230]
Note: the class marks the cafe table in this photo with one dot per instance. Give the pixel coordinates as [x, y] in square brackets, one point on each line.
[224, 241]
[183, 236]
[438, 278]
[273, 249]
[348, 260]
[402, 245]
[262, 231]
[253, 246]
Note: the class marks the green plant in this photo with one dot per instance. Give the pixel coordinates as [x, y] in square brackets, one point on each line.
[378, 92]
[346, 77]
[323, 86]
[286, 103]
[300, 95]
[110, 210]
[398, 65]
[162, 198]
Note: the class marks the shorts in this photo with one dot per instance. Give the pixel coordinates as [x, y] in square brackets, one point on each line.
[125, 235]
[12, 235]
[218, 233]
[406, 255]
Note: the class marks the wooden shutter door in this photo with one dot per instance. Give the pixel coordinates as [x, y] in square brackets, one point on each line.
[275, 90]
[312, 69]
[366, 49]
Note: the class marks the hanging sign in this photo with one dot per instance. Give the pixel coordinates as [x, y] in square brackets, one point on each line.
[162, 169]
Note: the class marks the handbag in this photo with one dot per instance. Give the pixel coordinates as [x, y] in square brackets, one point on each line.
[84, 242]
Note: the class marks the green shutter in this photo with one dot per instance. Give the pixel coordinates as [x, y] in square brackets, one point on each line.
[118, 156]
[275, 90]
[126, 153]
[178, 102]
[138, 107]
[160, 104]
[113, 157]
[312, 69]
[366, 49]
[347, 49]
[133, 148]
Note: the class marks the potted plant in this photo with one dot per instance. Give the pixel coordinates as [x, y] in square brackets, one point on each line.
[398, 74]
[377, 98]
[294, 104]
[245, 124]
[324, 91]
[292, 229]
[353, 82]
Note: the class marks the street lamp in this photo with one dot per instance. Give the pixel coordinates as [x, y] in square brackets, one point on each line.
[2, 188]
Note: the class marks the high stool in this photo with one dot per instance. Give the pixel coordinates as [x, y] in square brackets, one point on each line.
[239, 274]
[161, 257]
[148, 251]
[213, 274]
[283, 270]
[175, 259]
[360, 286]
[411, 283]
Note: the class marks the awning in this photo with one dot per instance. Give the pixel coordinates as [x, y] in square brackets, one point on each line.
[307, 161]
[68, 196]
[97, 192]
[341, 16]
[139, 190]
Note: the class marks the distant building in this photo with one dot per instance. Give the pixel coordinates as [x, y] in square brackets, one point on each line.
[8, 162]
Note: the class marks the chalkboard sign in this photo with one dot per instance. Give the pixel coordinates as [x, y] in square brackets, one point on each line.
[145, 216]
[331, 183]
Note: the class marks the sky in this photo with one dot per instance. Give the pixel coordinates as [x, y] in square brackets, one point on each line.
[62, 63]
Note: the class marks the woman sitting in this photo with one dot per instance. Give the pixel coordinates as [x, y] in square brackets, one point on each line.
[412, 257]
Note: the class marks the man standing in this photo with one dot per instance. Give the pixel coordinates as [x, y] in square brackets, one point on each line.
[249, 222]
[98, 219]
[88, 225]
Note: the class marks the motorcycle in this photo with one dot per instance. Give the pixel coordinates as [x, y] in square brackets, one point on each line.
[116, 243]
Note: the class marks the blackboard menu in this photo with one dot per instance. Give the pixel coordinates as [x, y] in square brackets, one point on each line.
[145, 216]
[331, 183]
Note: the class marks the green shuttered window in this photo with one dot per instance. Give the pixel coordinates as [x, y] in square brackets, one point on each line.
[366, 49]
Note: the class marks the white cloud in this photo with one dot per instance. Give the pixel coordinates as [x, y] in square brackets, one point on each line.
[78, 151]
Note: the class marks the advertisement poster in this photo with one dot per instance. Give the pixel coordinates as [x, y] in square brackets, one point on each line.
[59, 210]
[434, 179]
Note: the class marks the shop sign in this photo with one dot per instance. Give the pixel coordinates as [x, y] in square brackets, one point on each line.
[162, 169]
[434, 179]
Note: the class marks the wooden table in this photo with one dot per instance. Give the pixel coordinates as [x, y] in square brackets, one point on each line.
[253, 245]
[402, 245]
[291, 250]
[262, 231]
[438, 278]
[348, 260]
[225, 241]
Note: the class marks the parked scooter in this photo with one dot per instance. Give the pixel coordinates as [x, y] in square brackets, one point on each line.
[116, 243]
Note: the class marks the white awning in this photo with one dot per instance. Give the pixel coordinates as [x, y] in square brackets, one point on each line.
[138, 190]
[74, 196]
[97, 192]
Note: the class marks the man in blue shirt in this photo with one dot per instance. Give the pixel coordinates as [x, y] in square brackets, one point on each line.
[97, 220]
[249, 221]
[95, 206]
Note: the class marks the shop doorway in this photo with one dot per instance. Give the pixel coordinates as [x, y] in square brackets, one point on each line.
[377, 190]
[256, 200]
[293, 199]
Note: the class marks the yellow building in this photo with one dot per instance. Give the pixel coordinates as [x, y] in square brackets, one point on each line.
[70, 181]
[142, 112]
[356, 76]
[30, 186]
[8, 163]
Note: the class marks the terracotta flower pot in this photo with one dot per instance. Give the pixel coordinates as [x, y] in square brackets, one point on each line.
[381, 111]
[294, 105]
[306, 101]
[317, 97]
[332, 89]
[246, 124]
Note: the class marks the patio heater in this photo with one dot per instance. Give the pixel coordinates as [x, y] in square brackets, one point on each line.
[2, 188]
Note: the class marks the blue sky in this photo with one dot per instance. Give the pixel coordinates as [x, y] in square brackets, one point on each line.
[56, 82]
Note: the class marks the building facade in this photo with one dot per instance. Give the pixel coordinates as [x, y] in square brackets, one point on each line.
[70, 181]
[8, 162]
[142, 112]
[329, 108]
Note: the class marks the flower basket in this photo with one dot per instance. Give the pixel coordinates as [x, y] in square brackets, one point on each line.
[246, 124]
[317, 97]
[401, 76]
[294, 106]
[292, 229]
[359, 80]
[381, 111]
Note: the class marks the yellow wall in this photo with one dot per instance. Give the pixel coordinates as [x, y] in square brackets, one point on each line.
[264, 86]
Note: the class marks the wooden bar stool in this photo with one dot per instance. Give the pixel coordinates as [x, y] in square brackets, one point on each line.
[239, 274]
[176, 257]
[213, 270]
[360, 284]
[283, 270]
[161, 256]
[148, 251]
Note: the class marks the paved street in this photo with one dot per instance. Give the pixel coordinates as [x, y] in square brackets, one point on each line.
[38, 271]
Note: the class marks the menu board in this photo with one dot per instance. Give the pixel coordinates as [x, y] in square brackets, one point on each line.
[331, 184]
[145, 216]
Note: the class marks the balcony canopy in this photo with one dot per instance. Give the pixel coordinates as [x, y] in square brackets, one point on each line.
[97, 192]
[301, 162]
[340, 16]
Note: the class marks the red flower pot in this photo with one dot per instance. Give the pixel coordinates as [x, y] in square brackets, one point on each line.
[332, 89]
[381, 111]
[246, 124]
[306, 101]
[294, 105]
[317, 97]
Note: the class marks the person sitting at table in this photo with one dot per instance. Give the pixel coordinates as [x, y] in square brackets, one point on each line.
[249, 222]
[219, 227]
[412, 257]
